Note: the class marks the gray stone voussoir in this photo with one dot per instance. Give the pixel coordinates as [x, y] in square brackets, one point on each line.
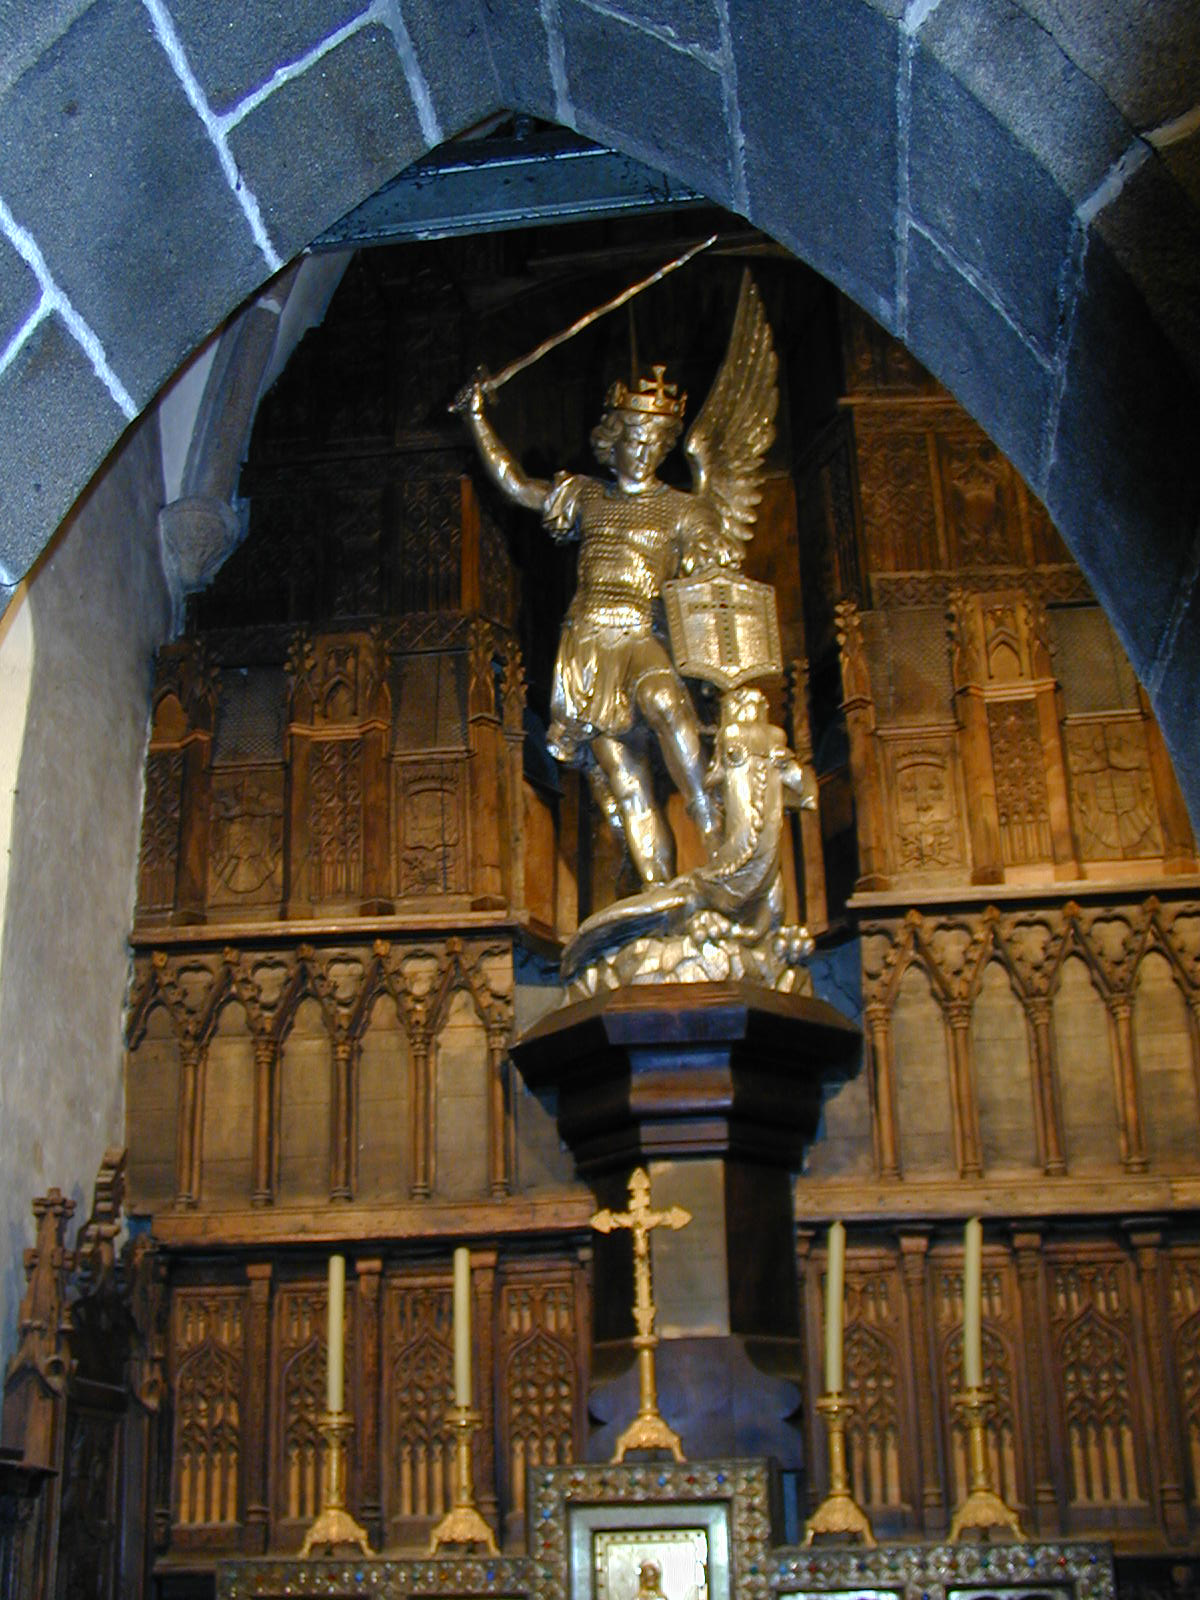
[1124, 476]
[111, 171]
[691, 24]
[27, 30]
[955, 330]
[981, 192]
[1145, 56]
[657, 103]
[817, 97]
[234, 49]
[57, 424]
[520, 51]
[450, 43]
[328, 138]
[19, 293]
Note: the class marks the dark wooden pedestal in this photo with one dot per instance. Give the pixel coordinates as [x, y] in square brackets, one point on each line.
[716, 1089]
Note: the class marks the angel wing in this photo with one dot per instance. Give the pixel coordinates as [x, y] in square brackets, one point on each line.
[736, 425]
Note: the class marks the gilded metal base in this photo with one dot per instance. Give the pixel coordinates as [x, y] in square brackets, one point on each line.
[334, 1525]
[648, 1431]
[839, 1515]
[463, 1523]
[983, 1510]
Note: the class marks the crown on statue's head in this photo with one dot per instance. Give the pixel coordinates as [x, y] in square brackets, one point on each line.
[655, 397]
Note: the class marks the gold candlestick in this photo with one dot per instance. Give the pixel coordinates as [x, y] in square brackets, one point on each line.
[983, 1508]
[463, 1523]
[839, 1512]
[334, 1525]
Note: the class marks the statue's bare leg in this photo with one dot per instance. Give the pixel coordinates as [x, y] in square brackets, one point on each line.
[667, 707]
[649, 838]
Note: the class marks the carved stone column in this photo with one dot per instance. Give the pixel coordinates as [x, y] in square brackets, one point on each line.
[1049, 1114]
[367, 1395]
[1027, 1244]
[187, 1140]
[499, 1120]
[914, 1252]
[858, 707]
[422, 1113]
[879, 1031]
[966, 1116]
[1133, 1149]
[341, 1153]
[1156, 1325]
[257, 1527]
[266, 1066]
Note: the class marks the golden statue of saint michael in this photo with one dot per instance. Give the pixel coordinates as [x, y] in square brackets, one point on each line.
[614, 668]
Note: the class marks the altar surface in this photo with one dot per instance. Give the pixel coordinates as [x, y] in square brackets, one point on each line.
[733, 1503]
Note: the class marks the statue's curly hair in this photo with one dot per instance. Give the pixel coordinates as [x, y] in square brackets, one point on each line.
[611, 426]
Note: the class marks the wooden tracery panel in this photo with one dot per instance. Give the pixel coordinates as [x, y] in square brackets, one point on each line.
[874, 1361]
[1001, 1339]
[538, 1362]
[207, 1361]
[298, 1402]
[1101, 1416]
[1185, 1334]
[418, 1390]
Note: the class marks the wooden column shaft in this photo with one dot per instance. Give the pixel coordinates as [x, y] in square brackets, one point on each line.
[1058, 805]
[1179, 846]
[966, 1116]
[1027, 1244]
[499, 1174]
[191, 867]
[983, 815]
[1133, 1149]
[266, 1066]
[1169, 1455]
[254, 1434]
[422, 1110]
[914, 1253]
[867, 778]
[342, 1122]
[187, 1141]
[376, 823]
[367, 1392]
[1049, 1113]
[879, 1025]
[483, 1287]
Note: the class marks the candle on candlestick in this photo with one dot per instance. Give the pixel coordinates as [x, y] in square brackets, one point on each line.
[335, 1344]
[835, 1277]
[973, 1304]
[462, 1326]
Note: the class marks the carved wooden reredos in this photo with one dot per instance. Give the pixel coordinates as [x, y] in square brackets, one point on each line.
[357, 866]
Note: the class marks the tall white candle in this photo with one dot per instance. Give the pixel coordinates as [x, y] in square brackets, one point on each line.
[972, 1304]
[335, 1365]
[462, 1326]
[835, 1279]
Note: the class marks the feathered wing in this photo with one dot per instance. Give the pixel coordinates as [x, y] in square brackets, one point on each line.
[728, 440]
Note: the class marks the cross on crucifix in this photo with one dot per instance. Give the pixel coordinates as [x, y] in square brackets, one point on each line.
[647, 1431]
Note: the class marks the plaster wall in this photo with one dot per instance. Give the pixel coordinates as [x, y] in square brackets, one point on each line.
[97, 609]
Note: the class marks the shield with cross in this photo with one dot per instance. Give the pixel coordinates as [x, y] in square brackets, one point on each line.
[723, 628]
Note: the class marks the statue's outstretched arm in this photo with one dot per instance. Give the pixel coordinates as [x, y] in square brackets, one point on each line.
[503, 467]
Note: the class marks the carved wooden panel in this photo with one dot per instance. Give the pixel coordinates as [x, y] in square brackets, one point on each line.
[1167, 1066]
[207, 1354]
[418, 1390]
[1099, 1389]
[152, 1072]
[896, 489]
[336, 818]
[426, 561]
[89, 1515]
[1083, 1045]
[160, 831]
[1184, 1313]
[538, 1371]
[922, 778]
[245, 861]
[305, 1100]
[429, 855]
[1020, 772]
[461, 1076]
[1001, 1336]
[297, 1402]
[1003, 1078]
[226, 1142]
[874, 1363]
[980, 502]
[384, 1106]
[923, 1078]
[1113, 805]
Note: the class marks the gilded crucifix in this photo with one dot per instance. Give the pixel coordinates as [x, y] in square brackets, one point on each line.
[647, 1431]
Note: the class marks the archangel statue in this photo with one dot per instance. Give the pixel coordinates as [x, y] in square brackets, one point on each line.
[650, 554]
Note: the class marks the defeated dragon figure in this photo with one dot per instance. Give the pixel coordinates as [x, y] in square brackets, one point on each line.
[737, 895]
